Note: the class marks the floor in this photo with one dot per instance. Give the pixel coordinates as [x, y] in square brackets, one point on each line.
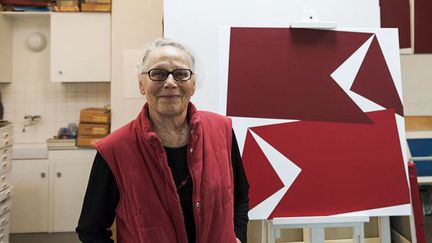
[44, 238]
[72, 237]
[428, 228]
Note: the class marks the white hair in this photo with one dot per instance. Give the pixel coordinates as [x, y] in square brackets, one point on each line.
[162, 42]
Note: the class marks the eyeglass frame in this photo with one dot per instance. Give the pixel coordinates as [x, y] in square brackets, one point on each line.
[168, 73]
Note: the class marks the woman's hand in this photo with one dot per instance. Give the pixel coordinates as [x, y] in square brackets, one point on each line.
[238, 241]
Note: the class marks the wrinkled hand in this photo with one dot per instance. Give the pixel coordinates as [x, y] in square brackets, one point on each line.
[238, 241]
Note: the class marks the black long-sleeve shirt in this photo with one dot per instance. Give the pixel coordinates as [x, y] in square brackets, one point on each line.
[102, 197]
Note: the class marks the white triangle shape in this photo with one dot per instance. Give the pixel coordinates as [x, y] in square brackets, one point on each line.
[284, 168]
[242, 124]
[346, 73]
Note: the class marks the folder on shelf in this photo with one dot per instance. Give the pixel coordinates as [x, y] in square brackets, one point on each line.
[421, 154]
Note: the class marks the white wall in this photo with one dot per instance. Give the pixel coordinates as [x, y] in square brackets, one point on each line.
[133, 24]
[417, 84]
[31, 92]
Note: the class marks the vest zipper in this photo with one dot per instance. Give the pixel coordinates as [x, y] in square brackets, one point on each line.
[192, 140]
[172, 182]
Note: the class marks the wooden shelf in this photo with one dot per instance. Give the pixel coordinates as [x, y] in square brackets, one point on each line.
[424, 180]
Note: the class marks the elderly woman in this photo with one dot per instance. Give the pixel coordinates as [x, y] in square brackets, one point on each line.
[174, 174]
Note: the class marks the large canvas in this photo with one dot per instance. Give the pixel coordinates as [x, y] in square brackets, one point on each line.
[319, 119]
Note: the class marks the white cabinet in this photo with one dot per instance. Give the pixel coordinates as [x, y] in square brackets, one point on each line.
[69, 171]
[80, 47]
[5, 50]
[69, 189]
[48, 193]
[30, 200]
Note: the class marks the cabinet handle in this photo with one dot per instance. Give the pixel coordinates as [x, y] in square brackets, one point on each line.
[4, 165]
[43, 174]
[59, 174]
[5, 157]
[60, 72]
[6, 134]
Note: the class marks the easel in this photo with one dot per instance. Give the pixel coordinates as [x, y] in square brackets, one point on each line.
[313, 227]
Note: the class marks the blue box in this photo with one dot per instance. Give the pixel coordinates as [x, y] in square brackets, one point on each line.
[421, 147]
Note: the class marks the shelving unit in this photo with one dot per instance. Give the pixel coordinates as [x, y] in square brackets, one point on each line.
[5, 180]
[25, 14]
[424, 180]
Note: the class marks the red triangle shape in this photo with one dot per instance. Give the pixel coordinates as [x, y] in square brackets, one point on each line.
[257, 166]
[374, 81]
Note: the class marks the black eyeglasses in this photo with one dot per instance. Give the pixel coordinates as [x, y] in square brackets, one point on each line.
[179, 75]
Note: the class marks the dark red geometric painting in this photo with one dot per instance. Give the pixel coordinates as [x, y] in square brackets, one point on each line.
[344, 143]
[422, 27]
[396, 14]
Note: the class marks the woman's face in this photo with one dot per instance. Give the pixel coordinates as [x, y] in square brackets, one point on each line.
[169, 97]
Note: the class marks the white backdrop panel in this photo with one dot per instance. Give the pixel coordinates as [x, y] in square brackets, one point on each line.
[195, 23]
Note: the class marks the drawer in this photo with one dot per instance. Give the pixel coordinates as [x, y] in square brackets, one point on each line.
[5, 166]
[4, 219]
[6, 153]
[5, 206]
[5, 180]
[5, 194]
[6, 136]
[4, 233]
[5, 158]
[6, 131]
[5, 142]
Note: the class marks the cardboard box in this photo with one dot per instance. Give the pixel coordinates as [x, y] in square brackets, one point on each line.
[95, 115]
[93, 129]
[66, 9]
[87, 141]
[96, 7]
[97, 1]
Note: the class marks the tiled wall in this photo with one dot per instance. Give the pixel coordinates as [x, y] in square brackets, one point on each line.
[57, 104]
[31, 92]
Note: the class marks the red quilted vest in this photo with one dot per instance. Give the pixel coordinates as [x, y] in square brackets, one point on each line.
[149, 209]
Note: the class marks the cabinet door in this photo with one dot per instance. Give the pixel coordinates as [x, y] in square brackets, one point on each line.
[70, 183]
[80, 47]
[29, 211]
[5, 49]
